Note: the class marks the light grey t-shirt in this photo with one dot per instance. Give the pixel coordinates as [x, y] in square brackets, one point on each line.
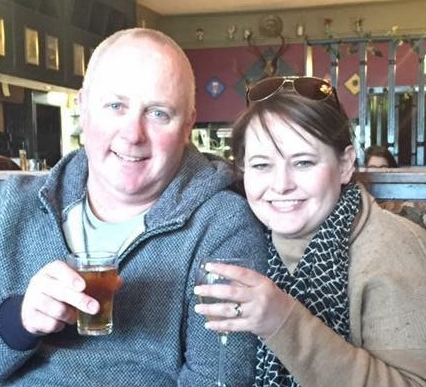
[85, 232]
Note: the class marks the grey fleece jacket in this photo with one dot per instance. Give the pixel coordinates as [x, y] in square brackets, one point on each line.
[158, 339]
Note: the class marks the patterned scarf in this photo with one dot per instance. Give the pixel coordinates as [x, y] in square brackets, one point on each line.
[319, 282]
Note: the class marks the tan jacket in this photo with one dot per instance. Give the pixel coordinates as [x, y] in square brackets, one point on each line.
[387, 296]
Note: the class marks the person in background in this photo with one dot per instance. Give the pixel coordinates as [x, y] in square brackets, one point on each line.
[7, 164]
[344, 300]
[379, 157]
[139, 189]
[414, 210]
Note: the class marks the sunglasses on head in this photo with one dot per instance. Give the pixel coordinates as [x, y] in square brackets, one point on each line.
[316, 89]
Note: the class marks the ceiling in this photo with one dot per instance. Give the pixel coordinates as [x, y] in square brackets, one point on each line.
[176, 7]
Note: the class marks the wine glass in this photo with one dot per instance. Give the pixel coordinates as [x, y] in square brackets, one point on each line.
[203, 277]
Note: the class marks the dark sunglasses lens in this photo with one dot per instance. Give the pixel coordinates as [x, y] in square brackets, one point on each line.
[264, 89]
[313, 88]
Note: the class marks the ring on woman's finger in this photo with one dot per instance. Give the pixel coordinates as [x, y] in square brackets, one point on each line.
[238, 310]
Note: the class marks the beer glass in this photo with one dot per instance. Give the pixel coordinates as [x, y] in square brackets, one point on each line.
[99, 270]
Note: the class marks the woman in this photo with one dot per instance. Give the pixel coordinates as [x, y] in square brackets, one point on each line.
[379, 157]
[344, 302]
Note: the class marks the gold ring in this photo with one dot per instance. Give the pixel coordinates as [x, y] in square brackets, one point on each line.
[238, 310]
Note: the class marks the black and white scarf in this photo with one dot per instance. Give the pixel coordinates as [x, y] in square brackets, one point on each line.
[319, 282]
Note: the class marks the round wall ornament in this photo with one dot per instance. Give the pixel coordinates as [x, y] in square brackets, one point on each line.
[270, 26]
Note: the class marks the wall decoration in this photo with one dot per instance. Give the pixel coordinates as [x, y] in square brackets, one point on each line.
[358, 26]
[215, 87]
[79, 63]
[2, 39]
[327, 27]
[31, 47]
[247, 33]
[257, 71]
[300, 30]
[52, 52]
[271, 26]
[231, 31]
[199, 33]
[352, 84]
[269, 62]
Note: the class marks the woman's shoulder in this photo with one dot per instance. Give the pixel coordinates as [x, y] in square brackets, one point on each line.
[388, 240]
[379, 223]
[384, 225]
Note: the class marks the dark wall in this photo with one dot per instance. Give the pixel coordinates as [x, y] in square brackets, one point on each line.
[83, 22]
[19, 125]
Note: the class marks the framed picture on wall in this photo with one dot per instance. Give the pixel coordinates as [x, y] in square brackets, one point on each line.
[31, 47]
[79, 63]
[2, 38]
[52, 52]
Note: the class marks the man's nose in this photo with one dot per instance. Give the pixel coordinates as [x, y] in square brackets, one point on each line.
[134, 130]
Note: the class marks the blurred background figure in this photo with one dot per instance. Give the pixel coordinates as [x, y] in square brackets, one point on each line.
[7, 164]
[379, 157]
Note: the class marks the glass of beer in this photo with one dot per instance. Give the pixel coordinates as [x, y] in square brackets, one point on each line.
[99, 270]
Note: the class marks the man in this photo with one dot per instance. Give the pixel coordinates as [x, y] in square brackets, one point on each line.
[139, 189]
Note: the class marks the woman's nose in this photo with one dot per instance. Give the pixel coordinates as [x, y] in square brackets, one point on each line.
[283, 180]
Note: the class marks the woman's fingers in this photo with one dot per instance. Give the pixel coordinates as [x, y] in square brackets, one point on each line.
[242, 275]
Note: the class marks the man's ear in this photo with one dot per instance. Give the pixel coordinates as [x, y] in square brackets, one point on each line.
[189, 124]
[81, 97]
[347, 164]
[82, 101]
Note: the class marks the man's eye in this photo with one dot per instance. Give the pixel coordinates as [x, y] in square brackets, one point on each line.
[159, 115]
[115, 105]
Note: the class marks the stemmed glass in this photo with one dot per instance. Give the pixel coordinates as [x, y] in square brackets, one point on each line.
[203, 277]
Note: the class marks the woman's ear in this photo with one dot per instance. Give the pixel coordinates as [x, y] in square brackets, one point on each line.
[347, 164]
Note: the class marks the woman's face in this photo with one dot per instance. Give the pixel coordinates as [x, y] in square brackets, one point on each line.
[294, 188]
[377, 162]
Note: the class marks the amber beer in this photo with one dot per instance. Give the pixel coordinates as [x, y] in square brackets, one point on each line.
[99, 271]
[101, 283]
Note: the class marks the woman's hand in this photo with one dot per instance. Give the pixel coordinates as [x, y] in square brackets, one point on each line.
[263, 306]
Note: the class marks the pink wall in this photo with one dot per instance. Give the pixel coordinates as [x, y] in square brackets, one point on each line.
[221, 63]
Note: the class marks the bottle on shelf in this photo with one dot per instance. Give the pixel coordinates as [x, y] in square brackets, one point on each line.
[23, 161]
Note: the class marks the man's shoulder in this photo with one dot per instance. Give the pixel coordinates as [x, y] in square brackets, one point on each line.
[228, 199]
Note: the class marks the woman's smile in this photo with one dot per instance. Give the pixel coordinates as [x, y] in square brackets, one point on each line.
[286, 205]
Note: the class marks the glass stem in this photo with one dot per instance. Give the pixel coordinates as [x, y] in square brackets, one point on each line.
[223, 341]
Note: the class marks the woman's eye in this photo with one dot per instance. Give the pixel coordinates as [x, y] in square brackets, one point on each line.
[260, 166]
[304, 163]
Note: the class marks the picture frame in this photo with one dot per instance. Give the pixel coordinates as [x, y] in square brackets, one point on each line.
[79, 62]
[31, 47]
[52, 52]
[2, 38]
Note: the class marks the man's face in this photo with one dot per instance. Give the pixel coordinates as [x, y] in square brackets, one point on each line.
[135, 120]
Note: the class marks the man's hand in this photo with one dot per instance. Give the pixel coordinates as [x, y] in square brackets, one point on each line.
[52, 297]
